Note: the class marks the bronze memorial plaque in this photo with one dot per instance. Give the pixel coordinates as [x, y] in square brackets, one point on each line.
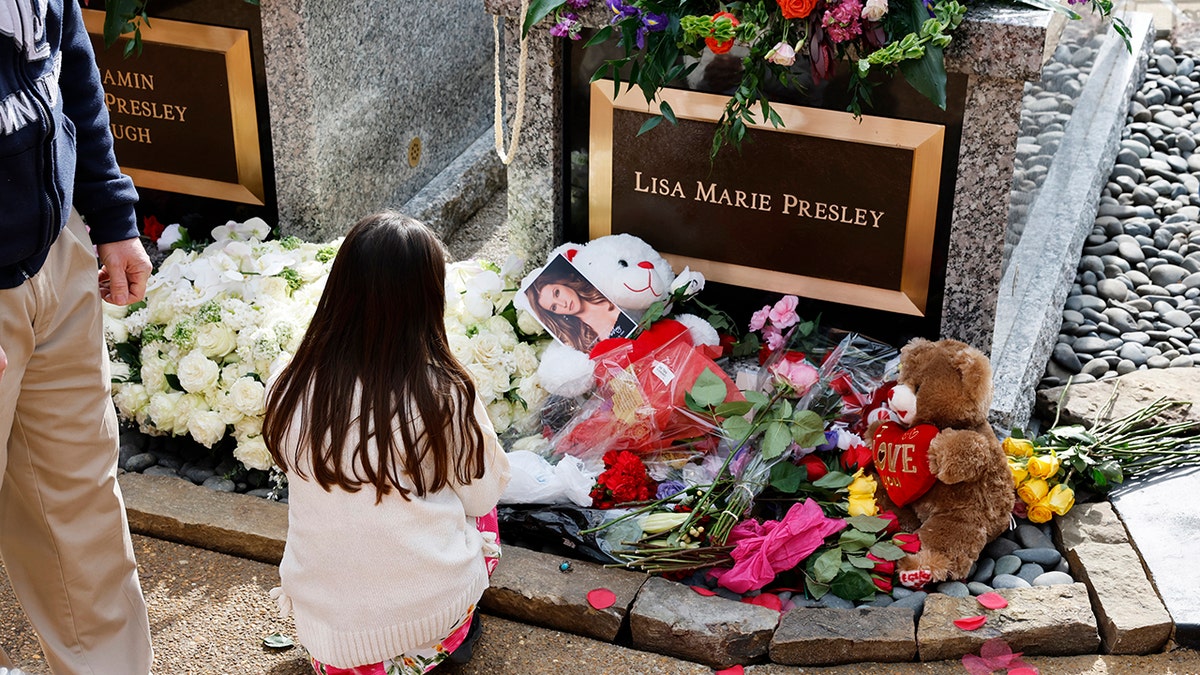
[828, 207]
[183, 115]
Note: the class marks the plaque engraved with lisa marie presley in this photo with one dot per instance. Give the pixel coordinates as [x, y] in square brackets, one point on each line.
[829, 207]
[183, 114]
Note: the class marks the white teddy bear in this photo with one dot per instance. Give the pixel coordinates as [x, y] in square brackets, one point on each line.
[631, 274]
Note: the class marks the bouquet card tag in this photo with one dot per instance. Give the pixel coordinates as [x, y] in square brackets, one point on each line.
[663, 372]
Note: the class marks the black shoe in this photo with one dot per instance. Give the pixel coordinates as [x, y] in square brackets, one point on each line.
[464, 651]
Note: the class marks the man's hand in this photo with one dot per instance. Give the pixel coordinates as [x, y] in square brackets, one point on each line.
[125, 269]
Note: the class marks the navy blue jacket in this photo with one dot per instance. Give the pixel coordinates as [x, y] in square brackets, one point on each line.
[56, 149]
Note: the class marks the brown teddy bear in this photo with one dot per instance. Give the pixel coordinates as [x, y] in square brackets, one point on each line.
[943, 468]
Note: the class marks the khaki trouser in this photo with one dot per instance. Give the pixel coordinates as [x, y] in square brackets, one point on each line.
[63, 533]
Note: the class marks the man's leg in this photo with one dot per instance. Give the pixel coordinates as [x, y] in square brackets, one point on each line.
[63, 532]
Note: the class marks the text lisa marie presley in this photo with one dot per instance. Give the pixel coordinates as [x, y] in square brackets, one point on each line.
[790, 205]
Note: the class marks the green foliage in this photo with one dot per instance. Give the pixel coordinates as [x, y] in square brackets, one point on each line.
[122, 17]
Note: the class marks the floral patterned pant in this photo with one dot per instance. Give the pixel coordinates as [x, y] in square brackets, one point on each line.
[424, 658]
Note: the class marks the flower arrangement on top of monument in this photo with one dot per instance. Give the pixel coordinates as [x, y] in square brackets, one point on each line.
[192, 358]
[778, 44]
[1048, 470]
[775, 495]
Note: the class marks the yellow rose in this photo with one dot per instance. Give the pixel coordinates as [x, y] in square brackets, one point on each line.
[1043, 466]
[1040, 513]
[1019, 473]
[1060, 500]
[863, 506]
[863, 486]
[1033, 491]
[1017, 447]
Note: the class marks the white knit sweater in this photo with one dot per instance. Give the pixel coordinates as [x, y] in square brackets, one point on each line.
[370, 581]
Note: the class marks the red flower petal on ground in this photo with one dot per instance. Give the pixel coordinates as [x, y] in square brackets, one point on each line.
[706, 592]
[601, 598]
[971, 622]
[1024, 671]
[735, 670]
[992, 601]
[768, 600]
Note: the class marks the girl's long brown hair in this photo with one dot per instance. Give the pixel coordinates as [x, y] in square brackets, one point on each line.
[379, 329]
[580, 335]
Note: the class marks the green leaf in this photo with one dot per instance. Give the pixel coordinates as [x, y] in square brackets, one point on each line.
[691, 404]
[733, 408]
[538, 10]
[861, 562]
[808, 429]
[600, 37]
[650, 124]
[816, 589]
[1111, 470]
[736, 428]
[854, 540]
[756, 398]
[709, 389]
[834, 480]
[868, 523]
[665, 109]
[887, 550]
[827, 565]
[776, 440]
[173, 381]
[854, 585]
[787, 477]
[277, 641]
[927, 74]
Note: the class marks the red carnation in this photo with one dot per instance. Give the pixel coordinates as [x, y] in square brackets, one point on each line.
[152, 228]
[624, 480]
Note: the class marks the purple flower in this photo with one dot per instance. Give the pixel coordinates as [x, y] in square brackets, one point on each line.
[669, 488]
[831, 441]
[656, 23]
[568, 26]
[578, 4]
[843, 22]
[621, 9]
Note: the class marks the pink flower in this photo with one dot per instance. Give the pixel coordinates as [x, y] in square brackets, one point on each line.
[795, 371]
[773, 337]
[783, 315]
[844, 21]
[759, 319]
[782, 54]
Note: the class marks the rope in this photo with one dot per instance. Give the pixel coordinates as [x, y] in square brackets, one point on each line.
[519, 114]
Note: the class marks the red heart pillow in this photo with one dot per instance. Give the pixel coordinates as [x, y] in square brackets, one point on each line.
[901, 459]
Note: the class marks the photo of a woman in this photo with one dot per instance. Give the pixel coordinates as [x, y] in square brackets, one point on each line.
[573, 309]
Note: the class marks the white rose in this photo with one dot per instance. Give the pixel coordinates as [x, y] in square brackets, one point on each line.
[115, 331]
[119, 371]
[525, 359]
[485, 382]
[477, 307]
[253, 453]
[530, 390]
[693, 282]
[529, 324]
[501, 414]
[874, 10]
[154, 372]
[206, 427]
[247, 427]
[215, 340]
[267, 290]
[460, 347]
[535, 444]
[502, 329]
[486, 348]
[310, 270]
[248, 396]
[162, 410]
[197, 372]
[131, 399]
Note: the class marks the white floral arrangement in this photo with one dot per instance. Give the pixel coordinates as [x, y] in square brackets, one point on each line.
[500, 345]
[194, 356]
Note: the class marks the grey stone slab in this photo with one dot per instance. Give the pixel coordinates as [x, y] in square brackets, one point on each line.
[349, 96]
[819, 637]
[672, 619]
[529, 586]
[1165, 531]
[1132, 392]
[1042, 266]
[1042, 620]
[174, 509]
[1131, 618]
[460, 190]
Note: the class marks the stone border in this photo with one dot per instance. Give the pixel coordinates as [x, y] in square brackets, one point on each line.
[1114, 609]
